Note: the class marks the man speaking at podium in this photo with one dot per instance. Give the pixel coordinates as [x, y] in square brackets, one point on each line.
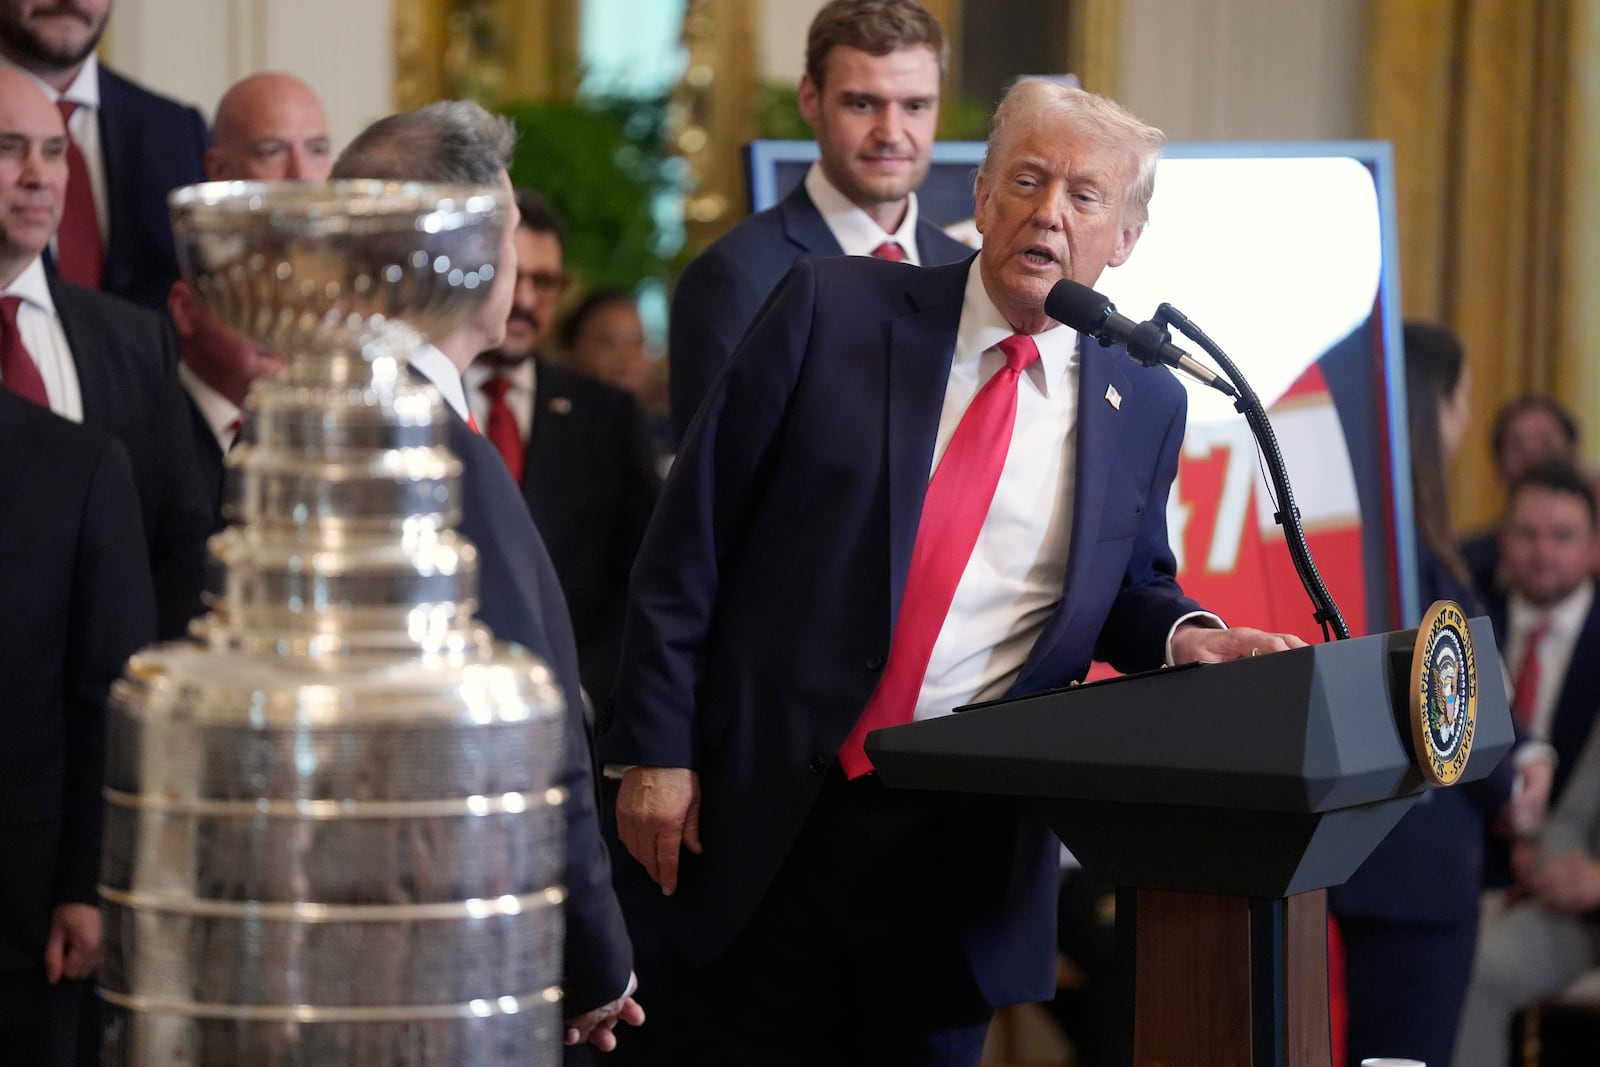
[805, 580]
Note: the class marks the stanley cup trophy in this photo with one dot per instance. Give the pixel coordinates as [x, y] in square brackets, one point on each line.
[332, 835]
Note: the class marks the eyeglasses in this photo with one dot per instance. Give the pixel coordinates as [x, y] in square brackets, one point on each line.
[543, 282]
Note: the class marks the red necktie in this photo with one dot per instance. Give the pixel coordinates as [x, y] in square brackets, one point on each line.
[80, 256]
[1525, 689]
[503, 432]
[953, 511]
[17, 368]
[891, 251]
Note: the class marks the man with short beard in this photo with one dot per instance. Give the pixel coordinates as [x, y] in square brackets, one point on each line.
[871, 93]
[578, 447]
[130, 146]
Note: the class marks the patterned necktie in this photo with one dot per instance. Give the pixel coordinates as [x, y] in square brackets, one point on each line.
[891, 251]
[953, 511]
[17, 368]
[503, 432]
[1525, 690]
[80, 257]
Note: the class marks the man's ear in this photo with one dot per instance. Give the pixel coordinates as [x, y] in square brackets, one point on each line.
[1125, 242]
[810, 101]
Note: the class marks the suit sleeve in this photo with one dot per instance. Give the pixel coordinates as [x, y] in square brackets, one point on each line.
[185, 518]
[1150, 600]
[714, 303]
[112, 615]
[696, 528]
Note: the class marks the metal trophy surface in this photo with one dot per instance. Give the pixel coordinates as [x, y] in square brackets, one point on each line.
[332, 835]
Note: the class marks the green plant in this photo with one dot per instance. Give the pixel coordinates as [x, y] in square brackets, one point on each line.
[602, 162]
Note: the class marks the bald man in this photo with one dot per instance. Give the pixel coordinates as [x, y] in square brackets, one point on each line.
[91, 357]
[269, 127]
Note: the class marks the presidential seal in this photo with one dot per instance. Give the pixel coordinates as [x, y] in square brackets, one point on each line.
[1444, 694]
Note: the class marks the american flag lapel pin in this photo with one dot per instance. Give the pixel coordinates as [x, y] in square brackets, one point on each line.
[1113, 397]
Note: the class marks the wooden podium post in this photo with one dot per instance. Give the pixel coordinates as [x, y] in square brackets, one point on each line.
[1223, 980]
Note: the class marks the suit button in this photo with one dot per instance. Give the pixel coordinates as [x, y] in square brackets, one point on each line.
[874, 662]
[817, 765]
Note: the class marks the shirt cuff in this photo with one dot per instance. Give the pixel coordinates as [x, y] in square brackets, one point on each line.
[617, 770]
[1534, 752]
[1202, 618]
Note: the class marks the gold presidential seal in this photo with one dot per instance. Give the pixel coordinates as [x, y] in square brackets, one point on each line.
[1444, 693]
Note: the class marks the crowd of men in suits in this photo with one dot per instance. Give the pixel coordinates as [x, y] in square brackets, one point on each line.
[811, 569]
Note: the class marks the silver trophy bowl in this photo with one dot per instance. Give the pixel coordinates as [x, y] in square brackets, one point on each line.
[333, 829]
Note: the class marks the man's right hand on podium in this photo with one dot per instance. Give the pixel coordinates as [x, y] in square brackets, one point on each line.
[658, 812]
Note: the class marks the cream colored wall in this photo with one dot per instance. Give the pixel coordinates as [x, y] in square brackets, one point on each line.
[1210, 70]
[194, 49]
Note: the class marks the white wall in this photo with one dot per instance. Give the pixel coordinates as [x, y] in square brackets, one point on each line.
[1208, 70]
[194, 49]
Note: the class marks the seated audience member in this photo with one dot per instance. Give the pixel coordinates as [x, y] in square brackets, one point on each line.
[1528, 430]
[129, 148]
[1402, 946]
[1551, 935]
[577, 446]
[76, 586]
[95, 358]
[270, 127]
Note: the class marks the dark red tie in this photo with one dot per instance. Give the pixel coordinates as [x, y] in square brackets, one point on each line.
[953, 511]
[891, 251]
[503, 432]
[17, 368]
[80, 256]
[1525, 690]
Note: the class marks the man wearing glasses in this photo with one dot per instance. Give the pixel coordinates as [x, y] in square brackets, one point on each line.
[578, 447]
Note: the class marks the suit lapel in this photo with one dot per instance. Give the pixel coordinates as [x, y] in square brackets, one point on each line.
[804, 226]
[918, 349]
[115, 127]
[1099, 426]
[88, 358]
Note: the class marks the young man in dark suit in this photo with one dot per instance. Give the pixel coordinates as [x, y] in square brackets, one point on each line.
[133, 147]
[578, 447]
[803, 581]
[871, 93]
[519, 594]
[95, 358]
[78, 602]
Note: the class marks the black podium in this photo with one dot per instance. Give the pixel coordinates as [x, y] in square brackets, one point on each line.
[1220, 799]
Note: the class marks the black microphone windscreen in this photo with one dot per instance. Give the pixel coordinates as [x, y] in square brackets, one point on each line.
[1074, 304]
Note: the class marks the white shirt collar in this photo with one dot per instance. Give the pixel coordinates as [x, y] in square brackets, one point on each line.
[853, 228]
[982, 327]
[435, 366]
[218, 411]
[1566, 617]
[84, 90]
[33, 286]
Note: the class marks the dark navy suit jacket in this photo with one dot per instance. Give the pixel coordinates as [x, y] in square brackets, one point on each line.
[78, 602]
[127, 364]
[519, 598]
[589, 477]
[769, 581]
[720, 292]
[150, 145]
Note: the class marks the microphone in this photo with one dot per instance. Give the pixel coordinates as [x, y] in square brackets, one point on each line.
[1074, 304]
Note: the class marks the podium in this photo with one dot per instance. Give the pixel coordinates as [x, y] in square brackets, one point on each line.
[1220, 799]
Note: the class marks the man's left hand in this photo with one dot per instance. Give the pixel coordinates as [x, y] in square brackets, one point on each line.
[1194, 643]
[73, 949]
[598, 1027]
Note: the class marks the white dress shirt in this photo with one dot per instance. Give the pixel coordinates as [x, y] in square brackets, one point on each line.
[1013, 580]
[46, 341]
[435, 366]
[519, 395]
[84, 129]
[853, 228]
[220, 413]
[1555, 651]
